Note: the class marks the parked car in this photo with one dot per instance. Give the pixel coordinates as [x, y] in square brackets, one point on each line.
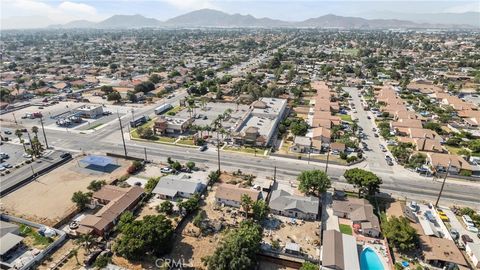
[8, 132]
[472, 229]
[468, 221]
[414, 206]
[454, 233]
[368, 117]
[466, 239]
[389, 162]
[25, 155]
[66, 155]
[166, 170]
[428, 214]
[202, 148]
[6, 165]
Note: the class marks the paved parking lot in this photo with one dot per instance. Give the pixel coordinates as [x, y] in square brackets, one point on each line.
[206, 115]
[15, 151]
[458, 225]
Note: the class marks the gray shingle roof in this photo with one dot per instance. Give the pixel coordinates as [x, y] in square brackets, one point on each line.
[281, 200]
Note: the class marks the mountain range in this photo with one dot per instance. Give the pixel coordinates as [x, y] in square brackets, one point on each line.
[215, 18]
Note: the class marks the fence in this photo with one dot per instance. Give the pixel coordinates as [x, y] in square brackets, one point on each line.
[62, 236]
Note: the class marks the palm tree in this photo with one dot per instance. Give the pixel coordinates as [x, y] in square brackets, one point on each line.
[35, 130]
[247, 203]
[19, 134]
[86, 240]
[74, 252]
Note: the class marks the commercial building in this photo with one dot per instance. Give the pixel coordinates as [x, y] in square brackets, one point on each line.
[172, 125]
[90, 111]
[259, 125]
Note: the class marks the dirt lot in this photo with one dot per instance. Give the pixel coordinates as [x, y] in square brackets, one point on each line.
[304, 233]
[47, 200]
[191, 244]
[71, 262]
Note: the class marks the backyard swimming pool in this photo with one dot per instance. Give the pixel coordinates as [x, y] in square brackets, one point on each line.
[369, 260]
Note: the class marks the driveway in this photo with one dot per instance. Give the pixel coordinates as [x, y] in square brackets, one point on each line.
[375, 156]
[458, 225]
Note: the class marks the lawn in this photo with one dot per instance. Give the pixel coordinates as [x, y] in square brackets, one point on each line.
[95, 126]
[346, 229]
[453, 149]
[31, 235]
[346, 117]
[186, 141]
[243, 149]
[175, 110]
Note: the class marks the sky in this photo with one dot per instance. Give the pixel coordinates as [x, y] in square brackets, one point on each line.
[41, 13]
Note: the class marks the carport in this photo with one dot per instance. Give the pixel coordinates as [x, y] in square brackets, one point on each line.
[99, 163]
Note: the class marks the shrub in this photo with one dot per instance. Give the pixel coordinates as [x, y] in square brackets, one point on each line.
[351, 159]
[343, 155]
[465, 173]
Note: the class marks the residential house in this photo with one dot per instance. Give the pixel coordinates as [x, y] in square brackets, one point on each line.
[473, 252]
[115, 201]
[286, 204]
[301, 144]
[321, 136]
[9, 239]
[231, 195]
[439, 162]
[442, 253]
[175, 186]
[340, 251]
[360, 212]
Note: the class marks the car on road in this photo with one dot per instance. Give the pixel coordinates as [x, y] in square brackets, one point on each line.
[8, 132]
[166, 170]
[2, 168]
[454, 233]
[65, 155]
[25, 155]
[368, 117]
[389, 162]
[6, 165]
[374, 129]
[375, 135]
[202, 148]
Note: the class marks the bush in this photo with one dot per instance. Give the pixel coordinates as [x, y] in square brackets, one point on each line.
[343, 155]
[465, 173]
[351, 159]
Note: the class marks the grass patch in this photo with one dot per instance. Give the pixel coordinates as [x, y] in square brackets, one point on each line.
[345, 229]
[95, 126]
[186, 141]
[345, 117]
[244, 149]
[453, 149]
[33, 237]
[174, 110]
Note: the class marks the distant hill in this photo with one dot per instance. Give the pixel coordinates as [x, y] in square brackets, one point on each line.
[334, 21]
[466, 18]
[128, 21]
[215, 18]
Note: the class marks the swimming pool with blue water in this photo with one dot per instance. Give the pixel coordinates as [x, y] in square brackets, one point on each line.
[369, 260]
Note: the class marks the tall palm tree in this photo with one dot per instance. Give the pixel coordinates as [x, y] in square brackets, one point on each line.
[74, 252]
[247, 203]
[19, 134]
[86, 240]
[35, 130]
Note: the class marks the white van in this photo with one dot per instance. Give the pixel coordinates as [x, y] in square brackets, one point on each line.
[468, 221]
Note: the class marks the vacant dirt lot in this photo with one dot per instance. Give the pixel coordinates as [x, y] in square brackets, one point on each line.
[47, 200]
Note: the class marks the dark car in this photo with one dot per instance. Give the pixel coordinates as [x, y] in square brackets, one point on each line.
[466, 239]
[66, 155]
[8, 132]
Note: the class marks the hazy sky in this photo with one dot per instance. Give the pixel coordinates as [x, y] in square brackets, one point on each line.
[57, 11]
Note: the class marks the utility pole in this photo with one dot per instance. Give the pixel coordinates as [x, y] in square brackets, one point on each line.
[443, 184]
[309, 151]
[328, 157]
[43, 130]
[218, 151]
[274, 173]
[123, 137]
[14, 118]
[145, 149]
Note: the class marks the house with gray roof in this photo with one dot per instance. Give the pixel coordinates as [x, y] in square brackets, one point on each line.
[8, 238]
[339, 251]
[302, 207]
[174, 186]
[360, 212]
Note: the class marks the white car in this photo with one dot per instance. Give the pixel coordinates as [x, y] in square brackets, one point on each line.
[166, 170]
[26, 155]
[472, 229]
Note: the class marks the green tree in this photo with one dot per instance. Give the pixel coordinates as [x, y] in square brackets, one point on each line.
[400, 233]
[166, 207]
[246, 203]
[19, 134]
[151, 184]
[86, 240]
[106, 89]
[152, 236]
[237, 250]
[402, 152]
[125, 219]
[309, 266]
[260, 210]
[417, 160]
[190, 165]
[176, 166]
[81, 199]
[299, 128]
[366, 181]
[96, 185]
[213, 177]
[190, 205]
[315, 182]
[102, 261]
[114, 96]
